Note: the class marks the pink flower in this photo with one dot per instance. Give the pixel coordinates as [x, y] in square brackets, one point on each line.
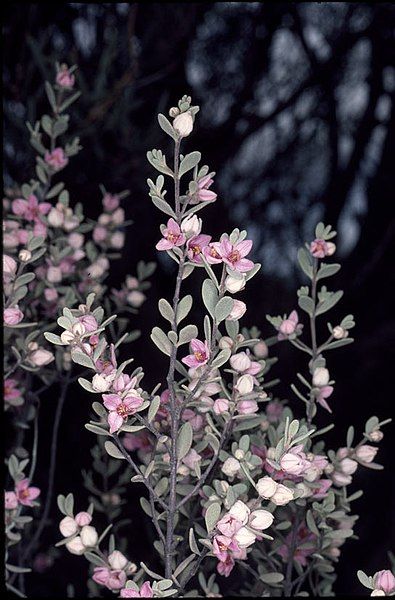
[225, 567]
[325, 392]
[274, 410]
[26, 494]
[10, 390]
[56, 159]
[110, 202]
[200, 356]
[321, 492]
[144, 592]
[9, 268]
[247, 407]
[319, 248]
[289, 326]
[50, 294]
[99, 234]
[120, 409]
[304, 536]
[10, 500]
[31, 209]
[192, 459]
[13, 315]
[64, 78]
[220, 405]
[89, 322]
[233, 255]
[203, 193]
[196, 246]
[101, 575]
[112, 579]
[222, 544]
[41, 357]
[211, 253]
[384, 580]
[172, 236]
[229, 525]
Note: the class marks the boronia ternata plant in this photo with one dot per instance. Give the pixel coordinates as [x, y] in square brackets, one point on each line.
[232, 481]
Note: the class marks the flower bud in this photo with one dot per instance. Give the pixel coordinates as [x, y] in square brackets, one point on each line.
[230, 467]
[225, 342]
[330, 248]
[191, 226]
[292, 463]
[9, 266]
[266, 487]
[376, 435]
[378, 593]
[240, 511]
[100, 383]
[136, 298]
[220, 406]
[83, 518]
[244, 537]
[282, 495]
[320, 377]
[89, 536]
[247, 407]
[341, 479]
[54, 274]
[68, 526]
[244, 384]
[366, 453]
[174, 111]
[261, 350]
[348, 466]
[117, 560]
[67, 337]
[41, 357]
[24, 255]
[75, 546]
[261, 519]
[385, 581]
[305, 491]
[240, 362]
[339, 333]
[239, 454]
[55, 217]
[235, 284]
[183, 124]
[238, 310]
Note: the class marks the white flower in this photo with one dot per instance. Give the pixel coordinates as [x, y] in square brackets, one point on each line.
[292, 463]
[67, 337]
[240, 362]
[339, 333]
[55, 217]
[366, 453]
[341, 479]
[117, 560]
[89, 536]
[54, 274]
[245, 384]
[348, 466]
[191, 226]
[100, 383]
[240, 511]
[230, 467]
[136, 298]
[261, 519]
[320, 377]
[68, 526]
[266, 487]
[235, 284]
[244, 537]
[183, 124]
[24, 255]
[282, 495]
[376, 435]
[75, 546]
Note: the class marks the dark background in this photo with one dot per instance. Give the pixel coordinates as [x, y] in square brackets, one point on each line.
[297, 119]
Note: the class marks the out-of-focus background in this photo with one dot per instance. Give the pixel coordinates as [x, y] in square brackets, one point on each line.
[297, 119]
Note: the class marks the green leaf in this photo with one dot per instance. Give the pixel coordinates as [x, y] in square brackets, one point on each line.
[54, 339]
[187, 334]
[338, 343]
[350, 436]
[328, 270]
[307, 304]
[209, 295]
[82, 359]
[96, 429]
[167, 127]
[311, 523]
[222, 358]
[184, 440]
[192, 542]
[328, 303]
[212, 516]
[86, 385]
[183, 308]
[305, 261]
[166, 310]
[189, 162]
[161, 340]
[153, 409]
[163, 206]
[223, 308]
[113, 451]
[364, 579]
[271, 578]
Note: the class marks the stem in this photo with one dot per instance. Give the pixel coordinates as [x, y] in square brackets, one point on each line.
[313, 331]
[291, 552]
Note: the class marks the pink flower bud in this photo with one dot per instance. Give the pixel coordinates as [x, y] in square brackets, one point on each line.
[319, 248]
[261, 350]
[266, 487]
[244, 384]
[99, 234]
[292, 463]
[240, 362]
[110, 202]
[50, 294]
[117, 240]
[83, 518]
[282, 495]
[64, 78]
[117, 560]
[320, 377]
[118, 216]
[10, 501]
[41, 357]
[376, 435]
[240, 511]
[54, 274]
[384, 580]
[348, 466]
[9, 267]
[247, 407]
[76, 240]
[220, 406]
[136, 298]
[13, 315]
[75, 546]
[238, 310]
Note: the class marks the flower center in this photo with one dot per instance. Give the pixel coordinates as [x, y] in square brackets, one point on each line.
[214, 253]
[200, 356]
[123, 411]
[172, 237]
[196, 250]
[234, 256]
[24, 493]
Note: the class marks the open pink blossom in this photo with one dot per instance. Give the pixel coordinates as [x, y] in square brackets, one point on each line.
[321, 492]
[229, 525]
[234, 255]
[172, 236]
[222, 544]
[225, 567]
[12, 315]
[204, 193]
[324, 393]
[26, 494]
[89, 322]
[200, 354]
[120, 409]
[56, 159]
[31, 209]
[211, 253]
[196, 246]
[144, 592]
[319, 248]
[111, 579]
[10, 500]
[110, 202]
[384, 580]
[11, 391]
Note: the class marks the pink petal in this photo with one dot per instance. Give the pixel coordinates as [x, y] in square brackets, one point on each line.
[190, 360]
[225, 247]
[164, 244]
[207, 195]
[244, 247]
[133, 401]
[198, 346]
[243, 265]
[324, 404]
[293, 316]
[115, 421]
[181, 240]
[173, 226]
[22, 485]
[34, 492]
[111, 401]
